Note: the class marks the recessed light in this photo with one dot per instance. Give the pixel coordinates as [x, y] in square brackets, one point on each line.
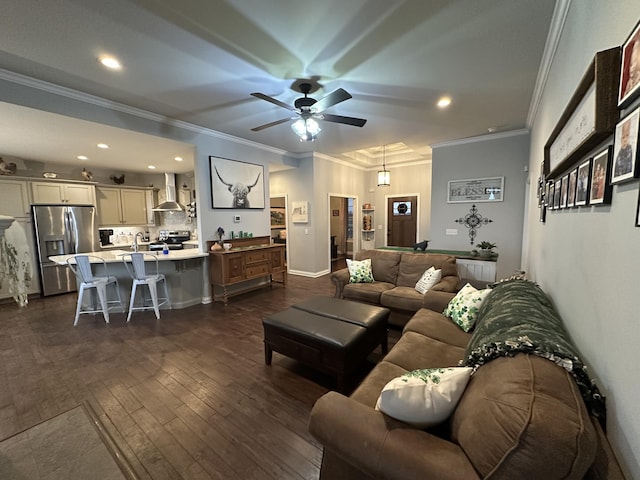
[151, 167]
[178, 159]
[82, 157]
[444, 102]
[102, 145]
[110, 62]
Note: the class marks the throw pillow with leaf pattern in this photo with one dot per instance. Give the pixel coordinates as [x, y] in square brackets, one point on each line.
[463, 308]
[360, 271]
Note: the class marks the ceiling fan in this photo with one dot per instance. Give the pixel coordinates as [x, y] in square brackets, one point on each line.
[310, 110]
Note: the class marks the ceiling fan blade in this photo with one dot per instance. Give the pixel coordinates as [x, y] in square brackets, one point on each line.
[272, 124]
[356, 122]
[275, 101]
[335, 97]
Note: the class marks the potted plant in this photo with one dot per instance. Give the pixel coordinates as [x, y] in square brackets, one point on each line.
[485, 249]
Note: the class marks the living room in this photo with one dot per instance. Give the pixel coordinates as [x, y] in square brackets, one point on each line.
[583, 258]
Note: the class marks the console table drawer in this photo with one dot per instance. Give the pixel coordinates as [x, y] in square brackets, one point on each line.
[257, 270]
[257, 256]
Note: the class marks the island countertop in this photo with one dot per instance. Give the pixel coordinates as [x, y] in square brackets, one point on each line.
[113, 256]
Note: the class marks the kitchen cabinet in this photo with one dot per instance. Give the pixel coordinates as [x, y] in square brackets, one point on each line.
[121, 206]
[57, 192]
[14, 198]
[249, 259]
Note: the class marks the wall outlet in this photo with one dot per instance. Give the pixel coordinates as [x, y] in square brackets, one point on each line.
[306, 231]
[236, 218]
[451, 231]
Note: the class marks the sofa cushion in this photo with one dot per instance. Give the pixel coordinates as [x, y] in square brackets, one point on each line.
[428, 279]
[366, 292]
[414, 351]
[426, 397]
[464, 307]
[360, 271]
[413, 265]
[402, 298]
[384, 264]
[523, 416]
[438, 327]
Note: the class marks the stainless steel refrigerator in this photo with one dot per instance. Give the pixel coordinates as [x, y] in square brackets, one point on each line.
[61, 230]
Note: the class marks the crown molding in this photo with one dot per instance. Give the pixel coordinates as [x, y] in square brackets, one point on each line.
[483, 138]
[558, 19]
[101, 102]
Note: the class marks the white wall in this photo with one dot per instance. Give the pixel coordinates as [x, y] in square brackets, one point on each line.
[587, 259]
[490, 156]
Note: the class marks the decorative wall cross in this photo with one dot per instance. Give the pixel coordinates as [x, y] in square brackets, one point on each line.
[473, 221]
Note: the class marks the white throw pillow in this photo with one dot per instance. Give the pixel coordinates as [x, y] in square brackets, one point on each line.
[463, 308]
[429, 278]
[360, 271]
[426, 397]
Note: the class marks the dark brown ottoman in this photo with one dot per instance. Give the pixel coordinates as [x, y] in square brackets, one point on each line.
[335, 343]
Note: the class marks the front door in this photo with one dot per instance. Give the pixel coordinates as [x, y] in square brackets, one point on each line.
[401, 221]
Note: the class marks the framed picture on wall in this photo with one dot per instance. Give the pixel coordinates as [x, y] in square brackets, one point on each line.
[630, 68]
[557, 190]
[573, 186]
[236, 184]
[564, 190]
[548, 194]
[582, 188]
[300, 212]
[625, 150]
[600, 192]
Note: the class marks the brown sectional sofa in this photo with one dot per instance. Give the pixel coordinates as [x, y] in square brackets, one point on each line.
[520, 416]
[395, 276]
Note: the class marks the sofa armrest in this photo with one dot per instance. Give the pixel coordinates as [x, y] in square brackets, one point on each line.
[382, 447]
[437, 301]
[340, 278]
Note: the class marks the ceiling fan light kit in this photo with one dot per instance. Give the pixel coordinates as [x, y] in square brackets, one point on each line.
[306, 128]
[310, 111]
[384, 175]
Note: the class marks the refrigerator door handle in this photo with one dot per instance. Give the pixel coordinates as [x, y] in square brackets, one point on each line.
[71, 231]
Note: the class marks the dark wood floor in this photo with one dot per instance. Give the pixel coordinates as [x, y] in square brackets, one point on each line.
[188, 396]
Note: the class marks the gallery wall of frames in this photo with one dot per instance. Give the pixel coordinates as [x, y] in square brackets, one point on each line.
[604, 110]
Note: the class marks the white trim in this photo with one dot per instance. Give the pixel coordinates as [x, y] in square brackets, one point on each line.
[302, 273]
[120, 107]
[482, 138]
[558, 19]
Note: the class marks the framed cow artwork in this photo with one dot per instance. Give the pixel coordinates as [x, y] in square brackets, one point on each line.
[236, 184]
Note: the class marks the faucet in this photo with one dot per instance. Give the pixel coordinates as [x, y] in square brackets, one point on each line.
[135, 241]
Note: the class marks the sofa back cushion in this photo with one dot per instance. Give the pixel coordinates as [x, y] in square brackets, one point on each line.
[384, 264]
[523, 416]
[413, 265]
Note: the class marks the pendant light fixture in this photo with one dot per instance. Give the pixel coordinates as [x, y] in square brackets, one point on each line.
[384, 176]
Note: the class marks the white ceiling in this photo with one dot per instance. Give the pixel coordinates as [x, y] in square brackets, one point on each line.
[199, 60]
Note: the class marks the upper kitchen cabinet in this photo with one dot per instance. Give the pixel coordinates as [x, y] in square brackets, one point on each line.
[14, 198]
[71, 193]
[122, 206]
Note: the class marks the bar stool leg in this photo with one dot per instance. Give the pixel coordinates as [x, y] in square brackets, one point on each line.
[133, 298]
[153, 290]
[102, 296]
[80, 294]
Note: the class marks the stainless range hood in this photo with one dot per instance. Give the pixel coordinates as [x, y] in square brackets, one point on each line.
[170, 204]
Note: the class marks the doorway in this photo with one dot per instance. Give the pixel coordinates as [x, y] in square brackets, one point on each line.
[341, 211]
[279, 218]
[402, 223]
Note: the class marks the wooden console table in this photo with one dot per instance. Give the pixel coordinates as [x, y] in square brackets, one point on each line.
[249, 259]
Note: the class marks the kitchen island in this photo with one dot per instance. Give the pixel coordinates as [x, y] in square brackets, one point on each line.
[185, 271]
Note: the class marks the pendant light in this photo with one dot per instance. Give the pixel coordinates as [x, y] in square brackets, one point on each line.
[384, 176]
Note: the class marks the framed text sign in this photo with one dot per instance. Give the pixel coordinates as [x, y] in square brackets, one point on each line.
[476, 190]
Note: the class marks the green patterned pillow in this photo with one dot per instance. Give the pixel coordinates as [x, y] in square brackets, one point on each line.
[426, 397]
[360, 271]
[463, 308]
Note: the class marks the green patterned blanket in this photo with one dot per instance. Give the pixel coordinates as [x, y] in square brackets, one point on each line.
[517, 316]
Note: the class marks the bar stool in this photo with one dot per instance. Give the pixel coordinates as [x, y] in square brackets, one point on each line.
[135, 265]
[80, 265]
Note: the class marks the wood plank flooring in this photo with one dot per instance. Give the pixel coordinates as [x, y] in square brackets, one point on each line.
[187, 396]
